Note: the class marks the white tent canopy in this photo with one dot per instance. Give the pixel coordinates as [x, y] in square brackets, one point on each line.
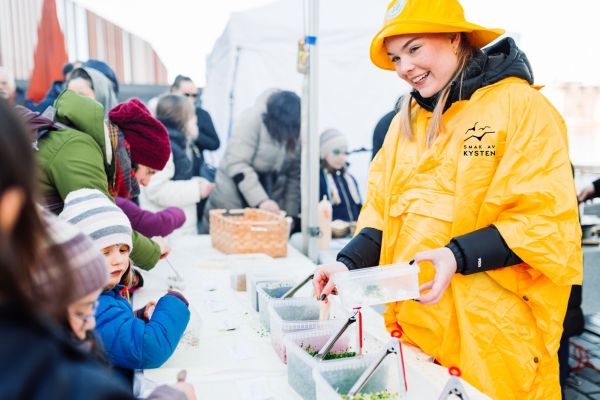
[258, 51]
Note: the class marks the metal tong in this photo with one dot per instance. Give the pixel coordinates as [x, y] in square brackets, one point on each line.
[454, 386]
[392, 346]
[177, 277]
[329, 344]
[293, 290]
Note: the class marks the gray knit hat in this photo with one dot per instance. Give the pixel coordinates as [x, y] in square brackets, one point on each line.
[331, 139]
[87, 264]
[98, 217]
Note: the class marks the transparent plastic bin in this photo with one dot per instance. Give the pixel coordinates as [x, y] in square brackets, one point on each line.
[377, 285]
[337, 378]
[269, 292]
[300, 363]
[240, 264]
[298, 315]
[256, 277]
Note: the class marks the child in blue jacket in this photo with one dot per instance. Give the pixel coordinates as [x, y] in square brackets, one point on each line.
[131, 340]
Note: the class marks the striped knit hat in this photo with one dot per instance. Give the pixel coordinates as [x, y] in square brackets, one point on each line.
[98, 217]
[87, 264]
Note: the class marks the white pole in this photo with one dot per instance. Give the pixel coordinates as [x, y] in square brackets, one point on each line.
[310, 134]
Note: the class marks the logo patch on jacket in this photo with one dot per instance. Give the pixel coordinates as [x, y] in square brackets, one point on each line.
[474, 143]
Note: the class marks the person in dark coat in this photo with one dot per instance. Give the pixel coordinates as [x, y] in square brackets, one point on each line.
[207, 135]
[207, 139]
[382, 127]
[41, 361]
[55, 89]
[177, 185]
[574, 322]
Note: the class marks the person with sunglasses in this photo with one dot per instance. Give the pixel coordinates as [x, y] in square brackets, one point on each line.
[336, 183]
[207, 139]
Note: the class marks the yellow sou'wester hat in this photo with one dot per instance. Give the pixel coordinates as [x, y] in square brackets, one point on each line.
[426, 16]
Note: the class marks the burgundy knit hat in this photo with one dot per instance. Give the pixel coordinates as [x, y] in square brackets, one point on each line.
[147, 137]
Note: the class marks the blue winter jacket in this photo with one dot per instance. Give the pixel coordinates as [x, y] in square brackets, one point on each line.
[132, 343]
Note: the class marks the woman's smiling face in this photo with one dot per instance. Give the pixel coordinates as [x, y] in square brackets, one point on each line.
[426, 62]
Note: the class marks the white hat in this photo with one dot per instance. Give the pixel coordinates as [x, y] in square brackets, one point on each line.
[98, 217]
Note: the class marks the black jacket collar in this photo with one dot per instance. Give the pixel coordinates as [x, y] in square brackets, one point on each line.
[490, 65]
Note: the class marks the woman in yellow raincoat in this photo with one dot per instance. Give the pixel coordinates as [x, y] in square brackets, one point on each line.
[473, 182]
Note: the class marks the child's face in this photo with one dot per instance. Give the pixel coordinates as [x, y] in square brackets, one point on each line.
[118, 261]
[82, 314]
[143, 174]
[336, 158]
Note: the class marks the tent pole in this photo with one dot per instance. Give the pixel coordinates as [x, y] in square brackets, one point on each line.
[310, 134]
[238, 49]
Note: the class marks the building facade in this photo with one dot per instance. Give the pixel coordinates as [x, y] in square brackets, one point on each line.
[87, 35]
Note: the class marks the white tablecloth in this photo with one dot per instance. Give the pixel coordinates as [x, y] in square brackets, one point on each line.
[240, 363]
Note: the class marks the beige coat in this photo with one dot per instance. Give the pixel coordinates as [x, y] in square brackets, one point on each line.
[252, 151]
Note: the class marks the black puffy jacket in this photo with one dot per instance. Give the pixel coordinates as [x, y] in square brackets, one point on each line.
[40, 361]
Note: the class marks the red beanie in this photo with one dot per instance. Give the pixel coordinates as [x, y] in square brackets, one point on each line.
[147, 137]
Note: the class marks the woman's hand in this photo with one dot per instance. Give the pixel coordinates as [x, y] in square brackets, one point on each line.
[270, 205]
[445, 267]
[323, 285]
[586, 193]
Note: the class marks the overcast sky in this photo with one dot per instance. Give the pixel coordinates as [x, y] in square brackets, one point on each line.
[560, 38]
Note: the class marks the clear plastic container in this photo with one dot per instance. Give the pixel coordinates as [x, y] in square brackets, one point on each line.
[298, 315]
[256, 277]
[377, 285]
[269, 292]
[337, 377]
[300, 363]
[240, 264]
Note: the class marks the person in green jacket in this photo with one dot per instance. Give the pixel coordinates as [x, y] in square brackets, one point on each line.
[77, 153]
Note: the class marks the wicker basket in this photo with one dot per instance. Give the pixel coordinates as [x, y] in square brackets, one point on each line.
[249, 231]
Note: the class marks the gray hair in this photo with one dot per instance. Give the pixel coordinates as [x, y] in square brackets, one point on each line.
[7, 73]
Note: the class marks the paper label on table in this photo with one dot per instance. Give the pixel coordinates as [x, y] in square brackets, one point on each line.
[209, 286]
[254, 390]
[242, 351]
[214, 306]
[229, 324]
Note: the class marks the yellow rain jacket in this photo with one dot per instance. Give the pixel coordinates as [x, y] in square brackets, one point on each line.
[500, 159]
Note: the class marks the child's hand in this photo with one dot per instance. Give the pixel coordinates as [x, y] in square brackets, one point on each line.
[187, 389]
[145, 313]
[165, 249]
[205, 187]
[149, 309]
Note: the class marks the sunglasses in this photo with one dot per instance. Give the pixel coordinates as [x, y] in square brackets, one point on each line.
[194, 95]
[337, 152]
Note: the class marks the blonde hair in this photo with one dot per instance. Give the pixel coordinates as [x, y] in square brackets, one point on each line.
[465, 53]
